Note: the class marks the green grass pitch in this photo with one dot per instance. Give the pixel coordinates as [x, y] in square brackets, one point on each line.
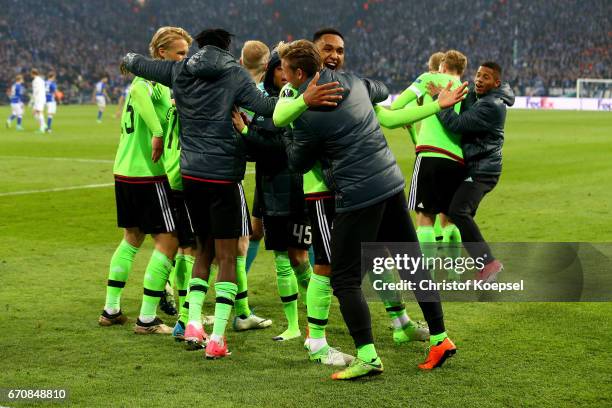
[56, 245]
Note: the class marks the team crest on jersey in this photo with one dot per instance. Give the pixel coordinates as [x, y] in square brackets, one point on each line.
[287, 93]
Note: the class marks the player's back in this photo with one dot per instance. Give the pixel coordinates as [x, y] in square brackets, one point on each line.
[433, 139]
[133, 158]
[38, 88]
[206, 88]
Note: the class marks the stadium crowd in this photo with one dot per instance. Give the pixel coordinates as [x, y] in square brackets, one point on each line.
[540, 44]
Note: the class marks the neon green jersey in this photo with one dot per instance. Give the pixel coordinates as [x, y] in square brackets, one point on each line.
[433, 139]
[144, 116]
[172, 151]
[293, 106]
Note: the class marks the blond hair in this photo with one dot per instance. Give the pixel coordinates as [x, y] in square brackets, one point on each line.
[164, 37]
[254, 57]
[435, 60]
[301, 54]
[454, 61]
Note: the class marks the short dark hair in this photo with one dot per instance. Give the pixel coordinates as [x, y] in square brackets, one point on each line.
[301, 54]
[494, 66]
[214, 36]
[323, 31]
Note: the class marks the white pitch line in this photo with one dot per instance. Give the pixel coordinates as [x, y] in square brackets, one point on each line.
[73, 159]
[250, 169]
[53, 190]
[57, 189]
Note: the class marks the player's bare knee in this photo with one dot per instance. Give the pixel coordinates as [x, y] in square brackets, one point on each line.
[425, 219]
[166, 243]
[134, 237]
[243, 245]
[322, 270]
[297, 256]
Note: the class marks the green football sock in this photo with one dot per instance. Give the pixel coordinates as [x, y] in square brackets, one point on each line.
[434, 339]
[318, 302]
[287, 288]
[197, 293]
[429, 247]
[226, 293]
[427, 240]
[367, 353]
[172, 276]
[451, 237]
[242, 299]
[120, 268]
[397, 313]
[302, 273]
[155, 278]
[438, 229]
[183, 267]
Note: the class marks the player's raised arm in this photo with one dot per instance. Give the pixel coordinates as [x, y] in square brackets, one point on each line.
[397, 118]
[417, 89]
[153, 70]
[405, 116]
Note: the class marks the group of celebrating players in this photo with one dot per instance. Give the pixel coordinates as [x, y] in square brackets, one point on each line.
[325, 177]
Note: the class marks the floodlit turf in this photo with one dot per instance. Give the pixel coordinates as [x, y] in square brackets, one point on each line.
[55, 248]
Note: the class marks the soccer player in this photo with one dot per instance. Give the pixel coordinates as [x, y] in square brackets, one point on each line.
[184, 260]
[321, 208]
[370, 202]
[101, 96]
[254, 57]
[16, 95]
[481, 126]
[50, 89]
[439, 166]
[279, 192]
[142, 190]
[38, 99]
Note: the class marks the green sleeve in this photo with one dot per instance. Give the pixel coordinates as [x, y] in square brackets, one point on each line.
[405, 116]
[141, 99]
[416, 89]
[404, 99]
[287, 110]
[413, 134]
